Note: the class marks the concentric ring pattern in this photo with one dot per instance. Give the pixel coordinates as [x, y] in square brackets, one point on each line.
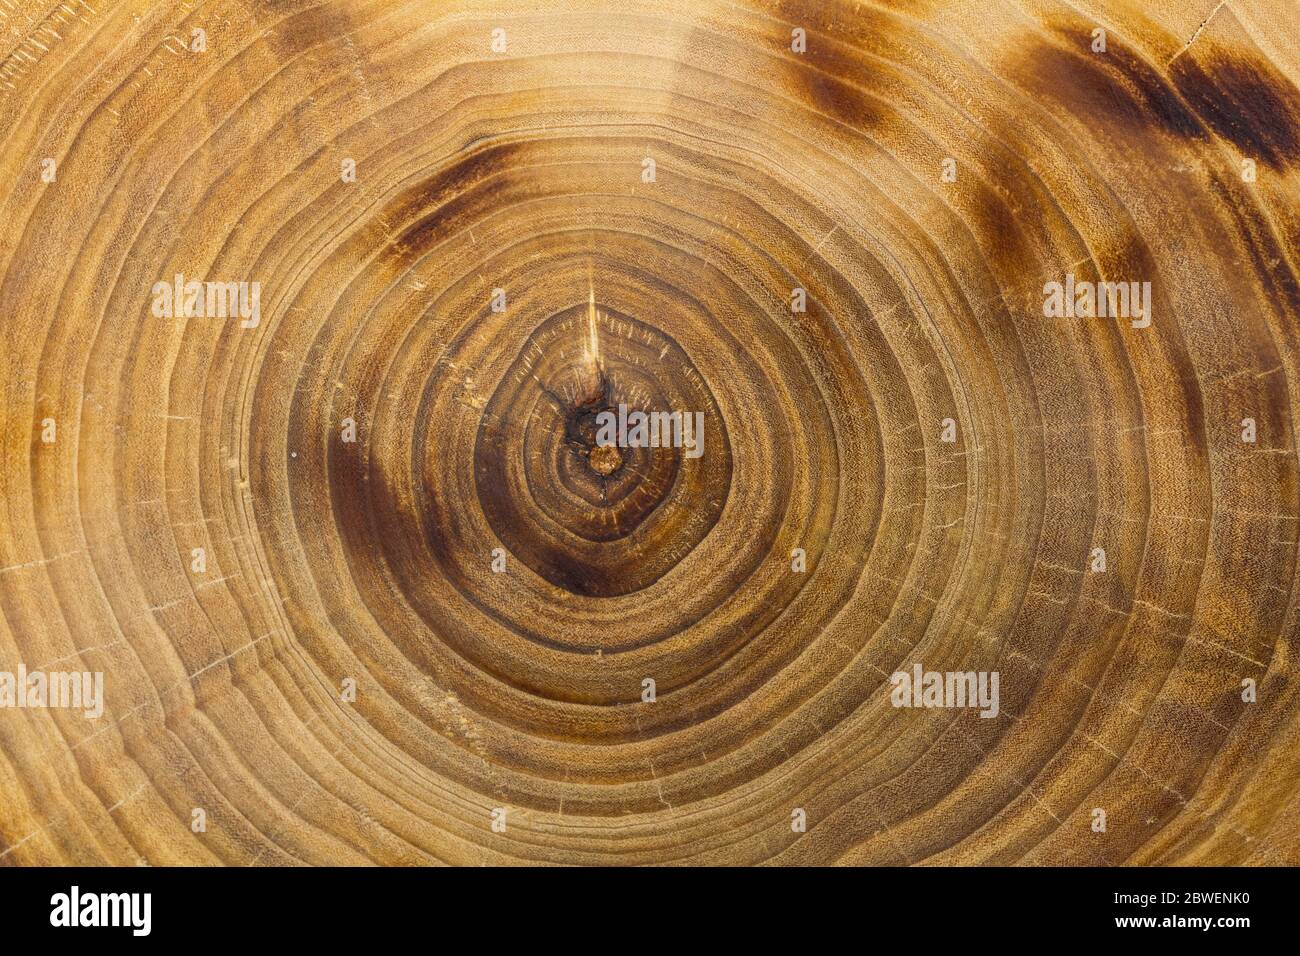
[363, 586]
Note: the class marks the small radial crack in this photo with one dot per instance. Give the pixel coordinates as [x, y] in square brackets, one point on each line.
[1199, 30]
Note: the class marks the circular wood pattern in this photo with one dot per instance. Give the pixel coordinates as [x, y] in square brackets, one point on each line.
[364, 586]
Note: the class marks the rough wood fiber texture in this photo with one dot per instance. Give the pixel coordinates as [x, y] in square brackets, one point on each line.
[522, 170]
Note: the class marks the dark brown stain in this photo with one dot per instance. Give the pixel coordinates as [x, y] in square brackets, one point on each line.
[1115, 89]
[450, 198]
[323, 28]
[1267, 257]
[832, 96]
[1237, 96]
[834, 75]
[1004, 209]
[1246, 101]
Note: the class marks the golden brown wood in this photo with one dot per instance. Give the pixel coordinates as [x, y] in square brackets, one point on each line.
[922, 170]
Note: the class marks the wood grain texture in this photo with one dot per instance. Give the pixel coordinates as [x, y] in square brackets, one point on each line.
[328, 561]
